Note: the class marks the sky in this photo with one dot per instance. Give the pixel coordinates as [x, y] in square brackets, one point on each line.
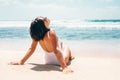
[59, 9]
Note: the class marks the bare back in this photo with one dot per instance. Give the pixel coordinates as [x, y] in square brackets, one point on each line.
[49, 42]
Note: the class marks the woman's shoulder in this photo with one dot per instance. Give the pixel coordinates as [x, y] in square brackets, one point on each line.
[52, 33]
[52, 30]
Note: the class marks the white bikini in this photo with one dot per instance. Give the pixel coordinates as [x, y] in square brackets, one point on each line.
[50, 58]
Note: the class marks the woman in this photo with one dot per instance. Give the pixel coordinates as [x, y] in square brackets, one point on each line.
[55, 51]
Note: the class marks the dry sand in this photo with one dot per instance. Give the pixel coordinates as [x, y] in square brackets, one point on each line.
[85, 67]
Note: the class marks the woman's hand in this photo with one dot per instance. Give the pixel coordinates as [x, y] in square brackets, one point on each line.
[67, 70]
[15, 63]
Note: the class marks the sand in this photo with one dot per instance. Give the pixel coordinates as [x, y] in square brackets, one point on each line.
[85, 66]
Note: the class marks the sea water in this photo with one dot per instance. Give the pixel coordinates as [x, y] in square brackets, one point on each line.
[65, 29]
[83, 37]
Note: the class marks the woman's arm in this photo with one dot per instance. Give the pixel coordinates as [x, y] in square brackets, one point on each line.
[28, 54]
[58, 53]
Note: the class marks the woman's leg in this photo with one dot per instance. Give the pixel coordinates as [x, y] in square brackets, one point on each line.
[68, 55]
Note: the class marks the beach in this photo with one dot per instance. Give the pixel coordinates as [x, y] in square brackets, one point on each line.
[95, 46]
[91, 29]
[94, 60]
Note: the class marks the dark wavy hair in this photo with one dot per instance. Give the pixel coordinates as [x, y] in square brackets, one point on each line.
[38, 29]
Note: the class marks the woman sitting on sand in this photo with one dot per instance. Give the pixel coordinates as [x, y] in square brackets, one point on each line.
[55, 51]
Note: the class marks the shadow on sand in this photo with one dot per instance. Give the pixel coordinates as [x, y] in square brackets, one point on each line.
[45, 67]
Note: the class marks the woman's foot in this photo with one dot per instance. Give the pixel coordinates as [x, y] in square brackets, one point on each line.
[71, 57]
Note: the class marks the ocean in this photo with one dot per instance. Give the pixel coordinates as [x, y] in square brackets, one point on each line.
[86, 38]
[65, 29]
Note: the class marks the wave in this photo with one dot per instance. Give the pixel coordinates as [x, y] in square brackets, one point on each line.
[86, 24]
[109, 20]
[66, 23]
[14, 23]
[64, 33]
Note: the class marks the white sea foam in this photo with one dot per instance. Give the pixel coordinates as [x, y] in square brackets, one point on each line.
[64, 23]
[14, 23]
[83, 24]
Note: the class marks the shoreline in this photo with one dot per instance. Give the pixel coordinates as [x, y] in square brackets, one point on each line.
[84, 48]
